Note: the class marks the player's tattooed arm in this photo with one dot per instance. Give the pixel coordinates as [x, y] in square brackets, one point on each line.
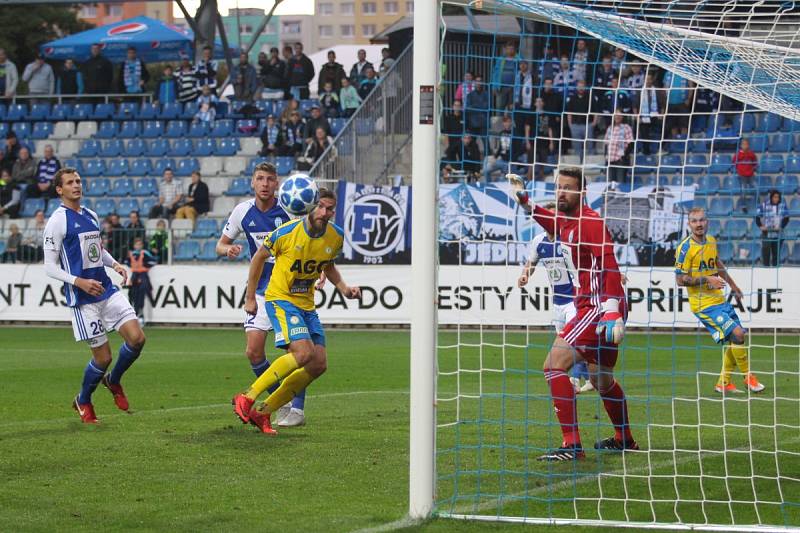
[685, 280]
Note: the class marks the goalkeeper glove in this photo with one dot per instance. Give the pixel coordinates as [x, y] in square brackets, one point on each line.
[611, 322]
[518, 186]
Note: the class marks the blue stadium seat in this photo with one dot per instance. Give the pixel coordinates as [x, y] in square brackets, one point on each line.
[205, 228]
[746, 206]
[670, 163]
[647, 161]
[187, 251]
[87, 203]
[251, 166]
[111, 148]
[748, 122]
[204, 147]
[152, 129]
[54, 204]
[279, 106]
[127, 205]
[246, 127]
[189, 110]
[60, 112]
[771, 123]
[675, 146]
[720, 163]
[71, 162]
[792, 164]
[228, 147]
[794, 207]
[284, 165]
[148, 111]
[147, 204]
[39, 112]
[758, 143]
[736, 228]
[105, 207]
[787, 183]
[180, 148]
[771, 164]
[17, 112]
[102, 112]
[725, 251]
[135, 148]
[708, 185]
[118, 167]
[22, 129]
[158, 148]
[696, 164]
[365, 126]
[764, 183]
[31, 206]
[94, 167]
[747, 252]
[130, 129]
[783, 142]
[222, 128]
[145, 187]
[715, 228]
[238, 187]
[721, 207]
[794, 255]
[698, 146]
[127, 111]
[197, 130]
[97, 187]
[171, 111]
[42, 130]
[208, 252]
[122, 187]
[264, 108]
[3, 111]
[305, 106]
[89, 148]
[337, 124]
[175, 129]
[186, 167]
[792, 230]
[161, 165]
[81, 112]
[140, 167]
[107, 130]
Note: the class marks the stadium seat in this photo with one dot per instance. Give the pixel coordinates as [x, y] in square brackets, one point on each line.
[135, 148]
[204, 147]
[748, 122]
[97, 187]
[121, 187]
[792, 230]
[205, 228]
[725, 251]
[16, 112]
[337, 125]
[94, 167]
[54, 204]
[81, 112]
[647, 161]
[127, 111]
[189, 110]
[771, 164]
[171, 111]
[22, 129]
[180, 148]
[118, 167]
[227, 147]
[111, 148]
[365, 126]
[77, 164]
[130, 129]
[794, 207]
[186, 167]
[152, 129]
[42, 130]
[708, 185]
[675, 146]
[671, 163]
[105, 207]
[158, 148]
[31, 206]
[175, 129]
[696, 164]
[87, 203]
[792, 164]
[746, 206]
[235, 165]
[758, 143]
[698, 146]
[3, 111]
[161, 165]
[246, 127]
[238, 187]
[781, 143]
[208, 252]
[306, 105]
[197, 130]
[39, 112]
[102, 112]
[264, 108]
[251, 165]
[145, 187]
[736, 228]
[279, 106]
[107, 130]
[721, 207]
[794, 255]
[747, 252]
[187, 251]
[60, 112]
[787, 184]
[764, 183]
[146, 205]
[222, 206]
[127, 205]
[148, 111]
[140, 167]
[284, 165]
[211, 166]
[771, 123]
[720, 163]
[715, 228]
[222, 128]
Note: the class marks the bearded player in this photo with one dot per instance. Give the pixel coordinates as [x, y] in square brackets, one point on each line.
[597, 329]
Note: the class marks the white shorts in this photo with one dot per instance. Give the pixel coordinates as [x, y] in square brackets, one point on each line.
[91, 321]
[563, 314]
[259, 321]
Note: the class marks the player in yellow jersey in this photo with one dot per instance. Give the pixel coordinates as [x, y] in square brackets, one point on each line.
[699, 269]
[303, 249]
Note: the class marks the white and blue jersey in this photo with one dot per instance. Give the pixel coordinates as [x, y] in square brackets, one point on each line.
[75, 236]
[561, 271]
[255, 224]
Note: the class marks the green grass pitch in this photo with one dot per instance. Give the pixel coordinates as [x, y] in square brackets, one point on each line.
[181, 461]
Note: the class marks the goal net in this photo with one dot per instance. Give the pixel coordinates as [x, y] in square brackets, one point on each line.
[654, 102]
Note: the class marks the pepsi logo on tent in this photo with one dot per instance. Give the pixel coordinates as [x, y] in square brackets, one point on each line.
[48, 50]
[155, 44]
[127, 29]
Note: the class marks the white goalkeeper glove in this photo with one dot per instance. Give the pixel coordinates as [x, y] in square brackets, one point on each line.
[611, 322]
[518, 186]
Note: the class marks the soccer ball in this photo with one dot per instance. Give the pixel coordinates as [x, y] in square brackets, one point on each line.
[298, 194]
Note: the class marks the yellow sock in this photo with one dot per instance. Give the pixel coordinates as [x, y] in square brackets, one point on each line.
[290, 387]
[742, 360]
[279, 369]
[728, 364]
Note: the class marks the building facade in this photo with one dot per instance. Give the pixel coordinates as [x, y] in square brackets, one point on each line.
[102, 14]
[249, 19]
[355, 21]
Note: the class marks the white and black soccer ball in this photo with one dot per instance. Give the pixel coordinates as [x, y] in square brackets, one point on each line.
[298, 194]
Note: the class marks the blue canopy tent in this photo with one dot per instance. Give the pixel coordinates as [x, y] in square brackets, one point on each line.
[153, 40]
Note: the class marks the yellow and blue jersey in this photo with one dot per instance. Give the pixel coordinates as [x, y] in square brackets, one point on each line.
[699, 259]
[299, 261]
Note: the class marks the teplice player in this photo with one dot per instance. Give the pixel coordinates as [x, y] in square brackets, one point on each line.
[303, 249]
[597, 329]
[256, 218]
[73, 253]
[699, 269]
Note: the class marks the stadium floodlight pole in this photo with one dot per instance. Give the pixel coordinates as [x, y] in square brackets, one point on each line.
[423, 260]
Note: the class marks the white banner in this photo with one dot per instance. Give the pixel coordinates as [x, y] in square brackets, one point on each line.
[467, 295]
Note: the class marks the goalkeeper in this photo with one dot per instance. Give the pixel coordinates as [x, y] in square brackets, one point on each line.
[597, 329]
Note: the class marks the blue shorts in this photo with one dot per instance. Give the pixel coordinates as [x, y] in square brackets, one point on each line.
[292, 323]
[720, 320]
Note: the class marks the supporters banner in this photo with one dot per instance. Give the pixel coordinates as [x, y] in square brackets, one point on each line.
[467, 295]
[376, 222]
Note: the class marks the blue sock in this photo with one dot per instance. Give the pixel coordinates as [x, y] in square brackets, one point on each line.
[259, 369]
[91, 377]
[127, 356]
[580, 370]
[299, 401]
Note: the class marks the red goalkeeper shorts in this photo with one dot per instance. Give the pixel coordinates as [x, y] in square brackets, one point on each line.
[580, 334]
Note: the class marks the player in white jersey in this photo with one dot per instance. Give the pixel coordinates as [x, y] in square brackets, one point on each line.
[557, 261]
[255, 218]
[74, 254]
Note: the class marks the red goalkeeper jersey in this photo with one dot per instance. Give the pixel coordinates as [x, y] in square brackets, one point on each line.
[592, 249]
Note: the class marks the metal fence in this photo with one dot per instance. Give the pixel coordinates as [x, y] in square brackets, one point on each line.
[374, 144]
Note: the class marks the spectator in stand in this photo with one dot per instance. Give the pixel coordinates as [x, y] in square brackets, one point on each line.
[604, 74]
[207, 97]
[772, 218]
[453, 125]
[140, 261]
[105, 234]
[46, 170]
[170, 194]
[205, 114]
[10, 151]
[331, 72]
[118, 240]
[245, 79]
[206, 70]
[580, 60]
[359, 70]
[300, 71]
[292, 135]
[316, 147]
[678, 102]
[316, 121]
[40, 78]
[616, 100]
[504, 75]
[618, 61]
[524, 112]
[465, 87]
[159, 242]
[348, 98]
[746, 162]
[134, 229]
[542, 138]
[367, 84]
[471, 157]
[706, 103]
[197, 201]
[273, 72]
[577, 119]
[292, 106]
[133, 74]
[167, 88]
[553, 105]
[635, 80]
[10, 195]
[242, 92]
[31, 250]
[619, 144]
[564, 82]
[70, 79]
[13, 245]
[650, 109]
[476, 109]
[271, 140]
[286, 55]
[98, 72]
[23, 173]
[9, 78]
[549, 65]
[386, 61]
[506, 147]
[329, 100]
[188, 89]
